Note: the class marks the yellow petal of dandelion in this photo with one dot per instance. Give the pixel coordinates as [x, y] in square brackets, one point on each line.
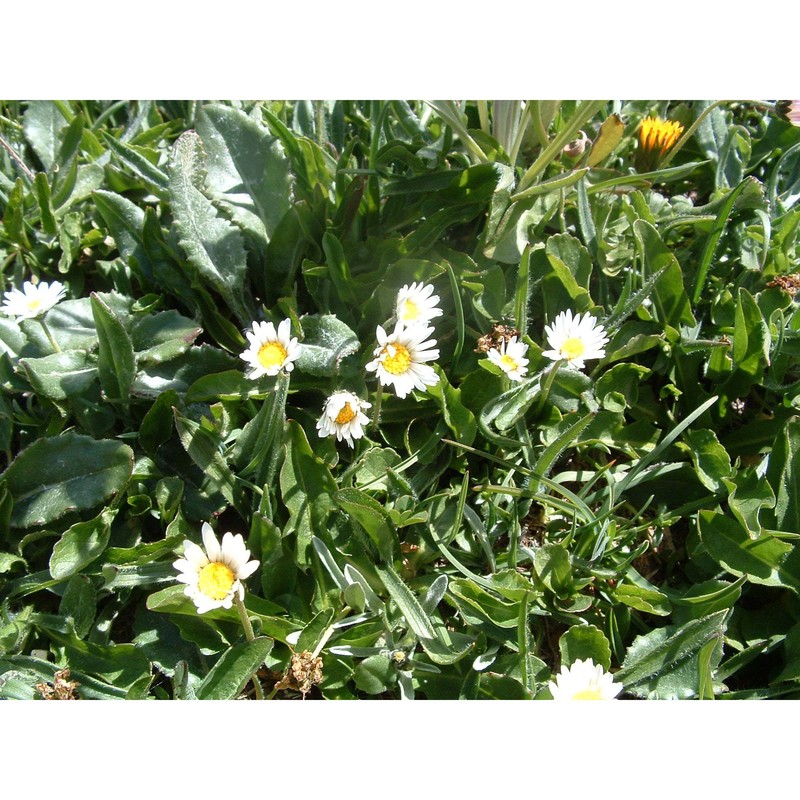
[656, 138]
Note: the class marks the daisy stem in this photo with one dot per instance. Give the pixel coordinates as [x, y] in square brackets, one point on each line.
[376, 414]
[250, 635]
[56, 348]
[548, 382]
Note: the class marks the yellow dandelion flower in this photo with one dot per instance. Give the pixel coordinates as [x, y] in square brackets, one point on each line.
[656, 138]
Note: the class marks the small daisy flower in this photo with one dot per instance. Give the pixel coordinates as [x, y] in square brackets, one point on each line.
[270, 351]
[416, 304]
[575, 339]
[33, 301]
[510, 357]
[342, 416]
[584, 680]
[213, 577]
[400, 358]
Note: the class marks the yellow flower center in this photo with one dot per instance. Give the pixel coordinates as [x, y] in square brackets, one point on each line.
[508, 362]
[34, 303]
[573, 348]
[398, 363]
[410, 311]
[345, 415]
[215, 580]
[592, 693]
[272, 354]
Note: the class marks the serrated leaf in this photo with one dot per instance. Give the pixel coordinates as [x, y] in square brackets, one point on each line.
[213, 246]
[326, 341]
[582, 642]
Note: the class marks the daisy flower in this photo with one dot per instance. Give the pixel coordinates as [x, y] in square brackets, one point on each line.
[270, 351]
[342, 416]
[584, 680]
[510, 357]
[575, 339]
[33, 301]
[213, 577]
[400, 358]
[416, 304]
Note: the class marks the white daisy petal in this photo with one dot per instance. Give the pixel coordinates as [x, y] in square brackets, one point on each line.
[214, 576]
[416, 304]
[343, 417]
[510, 357]
[400, 356]
[32, 301]
[270, 351]
[575, 339]
[584, 680]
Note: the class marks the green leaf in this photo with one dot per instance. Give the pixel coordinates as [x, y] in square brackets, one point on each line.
[116, 363]
[42, 123]
[231, 673]
[648, 600]
[161, 337]
[553, 567]
[582, 642]
[326, 341]
[372, 517]
[60, 375]
[477, 605]
[133, 157]
[157, 425]
[80, 545]
[765, 560]
[203, 447]
[664, 663]
[375, 674]
[407, 602]
[783, 474]
[748, 493]
[669, 296]
[457, 417]
[711, 460]
[242, 154]
[65, 473]
[307, 488]
[214, 247]
[78, 604]
[42, 189]
[14, 216]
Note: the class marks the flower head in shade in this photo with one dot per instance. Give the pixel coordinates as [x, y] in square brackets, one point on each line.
[400, 358]
[33, 301]
[342, 417]
[417, 304]
[575, 339]
[584, 680]
[214, 576]
[789, 110]
[510, 357]
[656, 138]
[270, 351]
